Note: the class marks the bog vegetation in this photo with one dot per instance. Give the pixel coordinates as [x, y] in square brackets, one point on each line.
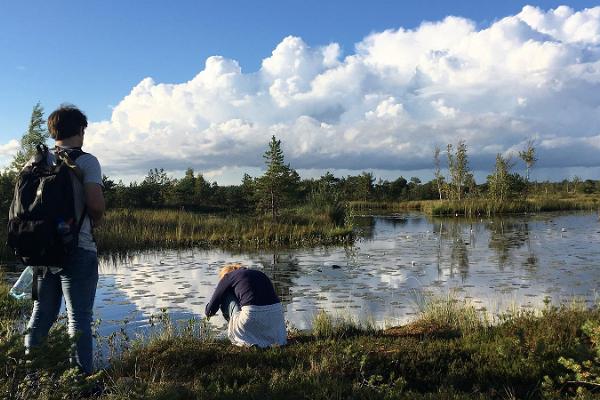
[450, 351]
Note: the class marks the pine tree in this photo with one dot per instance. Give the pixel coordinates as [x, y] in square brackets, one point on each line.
[7, 184]
[279, 183]
[36, 134]
[248, 192]
[184, 188]
[365, 185]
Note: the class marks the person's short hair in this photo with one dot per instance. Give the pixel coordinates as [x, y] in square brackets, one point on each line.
[66, 121]
[227, 268]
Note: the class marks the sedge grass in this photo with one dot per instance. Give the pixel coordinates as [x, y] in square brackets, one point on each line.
[140, 229]
[326, 325]
[450, 312]
[480, 206]
[368, 206]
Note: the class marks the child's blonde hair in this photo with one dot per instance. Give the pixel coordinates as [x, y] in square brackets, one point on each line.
[227, 268]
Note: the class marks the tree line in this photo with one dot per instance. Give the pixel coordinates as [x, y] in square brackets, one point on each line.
[281, 186]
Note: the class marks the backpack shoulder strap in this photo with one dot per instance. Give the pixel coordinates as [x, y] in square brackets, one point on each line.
[68, 157]
[75, 152]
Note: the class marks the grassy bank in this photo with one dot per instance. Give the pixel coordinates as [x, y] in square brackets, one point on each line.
[519, 358]
[140, 229]
[475, 207]
[448, 352]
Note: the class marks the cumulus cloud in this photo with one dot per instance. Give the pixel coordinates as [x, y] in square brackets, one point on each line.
[385, 106]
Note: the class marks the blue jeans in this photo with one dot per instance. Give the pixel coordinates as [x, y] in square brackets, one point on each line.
[77, 281]
[229, 305]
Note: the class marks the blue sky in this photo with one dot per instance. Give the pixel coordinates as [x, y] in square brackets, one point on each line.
[93, 53]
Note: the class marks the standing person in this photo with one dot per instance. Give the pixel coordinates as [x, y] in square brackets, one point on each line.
[248, 302]
[77, 277]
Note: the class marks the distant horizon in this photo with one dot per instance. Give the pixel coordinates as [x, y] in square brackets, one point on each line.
[363, 88]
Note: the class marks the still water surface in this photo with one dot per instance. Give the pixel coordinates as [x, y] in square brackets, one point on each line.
[499, 263]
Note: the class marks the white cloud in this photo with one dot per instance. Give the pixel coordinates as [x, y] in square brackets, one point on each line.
[565, 24]
[7, 151]
[534, 74]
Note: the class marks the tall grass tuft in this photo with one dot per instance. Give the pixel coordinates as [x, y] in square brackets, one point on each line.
[450, 313]
[327, 326]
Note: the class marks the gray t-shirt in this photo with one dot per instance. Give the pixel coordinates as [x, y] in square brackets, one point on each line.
[92, 173]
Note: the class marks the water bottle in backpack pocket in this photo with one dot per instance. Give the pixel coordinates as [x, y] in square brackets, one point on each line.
[22, 288]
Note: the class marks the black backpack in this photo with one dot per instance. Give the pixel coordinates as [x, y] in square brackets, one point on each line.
[42, 226]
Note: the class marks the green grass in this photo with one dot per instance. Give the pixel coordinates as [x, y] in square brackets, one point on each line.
[325, 325]
[448, 352]
[517, 358]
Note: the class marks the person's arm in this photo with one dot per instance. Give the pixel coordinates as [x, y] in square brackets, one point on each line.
[215, 301]
[92, 187]
[94, 200]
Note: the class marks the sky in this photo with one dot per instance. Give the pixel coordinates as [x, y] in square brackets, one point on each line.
[347, 86]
